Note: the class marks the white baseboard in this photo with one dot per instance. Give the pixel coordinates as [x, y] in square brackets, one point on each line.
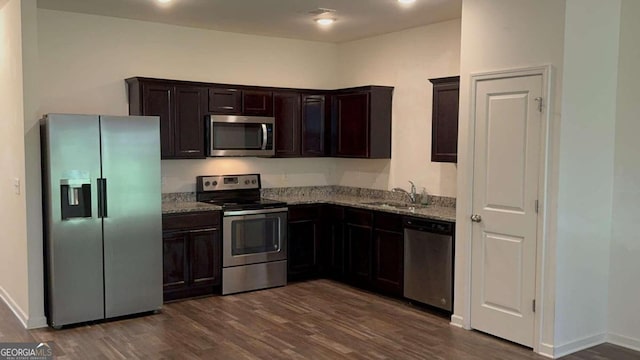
[17, 310]
[457, 321]
[28, 323]
[577, 345]
[546, 350]
[624, 341]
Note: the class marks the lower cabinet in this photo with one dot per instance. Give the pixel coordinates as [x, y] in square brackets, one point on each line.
[192, 263]
[333, 244]
[388, 254]
[358, 239]
[304, 233]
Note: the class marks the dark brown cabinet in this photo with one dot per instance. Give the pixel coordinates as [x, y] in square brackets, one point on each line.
[333, 244]
[286, 111]
[257, 103]
[314, 124]
[358, 241]
[225, 100]
[388, 253]
[361, 122]
[181, 109]
[444, 134]
[304, 233]
[301, 124]
[191, 254]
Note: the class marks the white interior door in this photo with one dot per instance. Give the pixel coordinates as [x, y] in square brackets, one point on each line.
[508, 123]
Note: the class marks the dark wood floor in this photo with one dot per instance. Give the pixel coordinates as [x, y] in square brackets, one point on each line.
[310, 320]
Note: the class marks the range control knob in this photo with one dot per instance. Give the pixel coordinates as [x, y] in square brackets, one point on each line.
[214, 183]
[246, 182]
[253, 182]
[207, 183]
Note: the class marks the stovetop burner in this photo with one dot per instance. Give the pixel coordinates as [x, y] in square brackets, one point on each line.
[233, 192]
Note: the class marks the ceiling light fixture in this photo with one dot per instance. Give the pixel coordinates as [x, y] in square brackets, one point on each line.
[325, 21]
[164, 1]
[406, 1]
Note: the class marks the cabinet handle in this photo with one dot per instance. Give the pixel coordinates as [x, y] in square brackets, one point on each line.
[476, 218]
[226, 107]
[191, 151]
[203, 230]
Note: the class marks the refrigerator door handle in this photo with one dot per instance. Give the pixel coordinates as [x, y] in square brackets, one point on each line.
[102, 198]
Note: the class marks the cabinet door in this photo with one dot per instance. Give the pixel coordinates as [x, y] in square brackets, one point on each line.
[225, 101]
[444, 134]
[313, 125]
[175, 273]
[257, 103]
[287, 117]
[189, 122]
[205, 257]
[303, 243]
[388, 261]
[359, 254]
[352, 124]
[158, 100]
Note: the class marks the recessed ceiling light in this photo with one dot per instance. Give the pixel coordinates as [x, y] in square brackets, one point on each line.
[406, 1]
[325, 21]
[163, 1]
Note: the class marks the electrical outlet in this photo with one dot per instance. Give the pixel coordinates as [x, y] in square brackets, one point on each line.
[16, 186]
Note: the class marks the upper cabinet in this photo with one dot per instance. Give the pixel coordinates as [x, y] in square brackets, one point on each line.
[353, 123]
[301, 124]
[181, 108]
[257, 103]
[286, 111]
[224, 100]
[444, 135]
[361, 122]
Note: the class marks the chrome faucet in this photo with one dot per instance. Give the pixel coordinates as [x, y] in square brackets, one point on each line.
[413, 197]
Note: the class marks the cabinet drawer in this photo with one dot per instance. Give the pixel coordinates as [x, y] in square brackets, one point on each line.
[358, 217]
[389, 222]
[304, 212]
[190, 220]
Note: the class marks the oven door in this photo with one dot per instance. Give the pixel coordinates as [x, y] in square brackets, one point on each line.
[254, 236]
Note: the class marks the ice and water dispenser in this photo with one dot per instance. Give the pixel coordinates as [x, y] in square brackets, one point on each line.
[75, 197]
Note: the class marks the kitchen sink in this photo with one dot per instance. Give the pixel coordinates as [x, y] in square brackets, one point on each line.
[393, 205]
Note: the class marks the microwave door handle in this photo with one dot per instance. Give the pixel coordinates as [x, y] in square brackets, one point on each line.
[264, 136]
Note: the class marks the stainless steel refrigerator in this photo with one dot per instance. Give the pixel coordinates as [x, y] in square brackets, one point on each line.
[102, 215]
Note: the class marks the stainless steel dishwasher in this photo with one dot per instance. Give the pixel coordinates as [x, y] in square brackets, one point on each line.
[428, 262]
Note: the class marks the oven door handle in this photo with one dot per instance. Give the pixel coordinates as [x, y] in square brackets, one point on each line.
[265, 137]
[255, 212]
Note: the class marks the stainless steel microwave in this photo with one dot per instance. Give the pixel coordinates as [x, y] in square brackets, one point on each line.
[229, 135]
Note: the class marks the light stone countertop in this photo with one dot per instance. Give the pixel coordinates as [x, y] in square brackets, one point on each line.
[434, 212]
[439, 208]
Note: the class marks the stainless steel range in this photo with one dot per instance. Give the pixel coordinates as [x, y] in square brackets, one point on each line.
[254, 232]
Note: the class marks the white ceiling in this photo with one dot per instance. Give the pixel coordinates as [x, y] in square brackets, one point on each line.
[280, 18]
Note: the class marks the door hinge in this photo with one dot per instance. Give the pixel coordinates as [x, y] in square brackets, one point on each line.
[540, 103]
[533, 307]
[537, 206]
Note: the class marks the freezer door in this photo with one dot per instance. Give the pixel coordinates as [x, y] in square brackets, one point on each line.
[132, 214]
[73, 232]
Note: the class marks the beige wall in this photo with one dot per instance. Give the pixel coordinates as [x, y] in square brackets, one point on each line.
[585, 177]
[13, 254]
[624, 292]
[74, 47]
[405, 60]
[503, 35]
[84, 60]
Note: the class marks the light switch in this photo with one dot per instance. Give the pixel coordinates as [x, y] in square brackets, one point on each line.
[16, 186]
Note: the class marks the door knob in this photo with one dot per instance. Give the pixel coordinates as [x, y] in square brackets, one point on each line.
[476, 218]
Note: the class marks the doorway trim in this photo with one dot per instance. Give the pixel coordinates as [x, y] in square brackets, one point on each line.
[545, 252]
